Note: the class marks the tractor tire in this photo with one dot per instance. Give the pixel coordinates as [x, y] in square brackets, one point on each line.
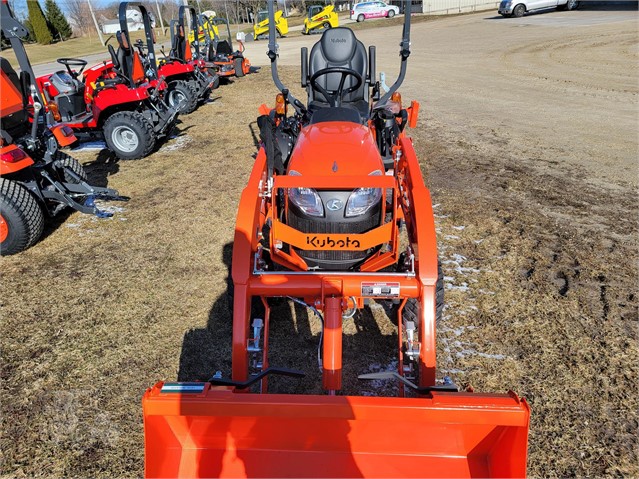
[410, 311]
[391, 13]
[278, 34]
[182, 91]
[129, 135]
[216, 82]
[238, 65]
[519, 10]
[21, 218]
[73, 165]
[326, 26]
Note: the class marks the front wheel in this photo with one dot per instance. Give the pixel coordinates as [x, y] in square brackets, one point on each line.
[237, 65]
[326, 25]
[181, 95]
[519, 10]
[129, 135]
[21, 218]
[572, 5]
[391, 13]
[361, 18]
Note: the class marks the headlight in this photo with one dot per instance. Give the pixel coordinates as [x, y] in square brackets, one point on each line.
[306, 199]
[363, 199]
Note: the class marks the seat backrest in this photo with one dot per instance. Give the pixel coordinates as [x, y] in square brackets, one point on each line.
[124, 55]
[338, 47]
[224, 48]
[14, 118]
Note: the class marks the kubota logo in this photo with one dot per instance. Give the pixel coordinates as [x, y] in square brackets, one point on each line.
[338, 40]
[331, 243]
[334, 204]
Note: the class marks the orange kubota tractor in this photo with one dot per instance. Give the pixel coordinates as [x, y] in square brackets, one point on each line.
[319, 222]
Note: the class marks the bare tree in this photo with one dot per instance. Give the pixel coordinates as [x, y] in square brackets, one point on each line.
[79, 16]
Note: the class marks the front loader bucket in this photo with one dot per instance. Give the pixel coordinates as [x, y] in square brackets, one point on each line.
[198, 430]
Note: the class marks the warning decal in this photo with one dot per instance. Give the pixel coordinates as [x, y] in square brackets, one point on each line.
[380, 290]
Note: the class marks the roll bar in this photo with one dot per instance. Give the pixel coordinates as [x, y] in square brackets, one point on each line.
[404, 52]
[272, 53]
[194, 26]
[148, 31]
[220, 21]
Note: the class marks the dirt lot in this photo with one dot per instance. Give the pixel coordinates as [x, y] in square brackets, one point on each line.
[528, 139]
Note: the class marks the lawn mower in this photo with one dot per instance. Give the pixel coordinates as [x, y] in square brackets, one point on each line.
[261, 28]
[37, 180]
[220, 52]
[114, 101]
[205, 77]
[333, 184]
[320, 18]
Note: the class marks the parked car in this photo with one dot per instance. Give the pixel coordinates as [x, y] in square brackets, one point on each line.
[517, 8]
[364, 10]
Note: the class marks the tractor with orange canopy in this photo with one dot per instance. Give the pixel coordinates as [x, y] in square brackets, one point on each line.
[334, 187]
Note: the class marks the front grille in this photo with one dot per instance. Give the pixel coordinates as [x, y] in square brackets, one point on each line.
[320, 225]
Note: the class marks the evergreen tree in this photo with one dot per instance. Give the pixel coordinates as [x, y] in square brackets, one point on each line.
[40, 27]
[57, 20]
[31, 36]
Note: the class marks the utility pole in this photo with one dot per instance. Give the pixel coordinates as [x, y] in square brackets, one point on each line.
[95, 22]
[160, 16]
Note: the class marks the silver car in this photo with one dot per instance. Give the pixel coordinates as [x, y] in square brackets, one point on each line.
[517, 8]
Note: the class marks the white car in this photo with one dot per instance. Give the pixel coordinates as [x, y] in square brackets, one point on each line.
[517, 8]
[364, 10]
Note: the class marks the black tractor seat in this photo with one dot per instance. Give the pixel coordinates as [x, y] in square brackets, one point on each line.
[321, 114]
[339, 47]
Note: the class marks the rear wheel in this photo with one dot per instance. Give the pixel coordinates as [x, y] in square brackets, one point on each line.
[519, 10]
[129, 135]
[391, 13]
[326, 25]
[361, 17]
[21, 218]
[239, 70]
[181, 95]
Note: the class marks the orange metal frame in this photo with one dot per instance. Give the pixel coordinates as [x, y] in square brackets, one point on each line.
[411, 201]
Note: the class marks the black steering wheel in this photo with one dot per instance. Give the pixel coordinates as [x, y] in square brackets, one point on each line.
[73, 62]
[335, 97]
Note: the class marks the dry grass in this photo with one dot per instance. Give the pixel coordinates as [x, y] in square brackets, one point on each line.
[101, 309]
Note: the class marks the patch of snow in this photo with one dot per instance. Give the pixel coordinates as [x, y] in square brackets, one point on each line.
[451, 237]
[459, 228]
[180, 142]
[90, 146]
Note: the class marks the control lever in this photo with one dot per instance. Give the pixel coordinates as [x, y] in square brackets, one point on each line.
[448, 385]
[219, 381]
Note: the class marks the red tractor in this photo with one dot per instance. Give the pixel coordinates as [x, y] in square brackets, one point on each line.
[189, 81]
[37, 179]
[115, 100]
[220, 52]
[205, 77]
